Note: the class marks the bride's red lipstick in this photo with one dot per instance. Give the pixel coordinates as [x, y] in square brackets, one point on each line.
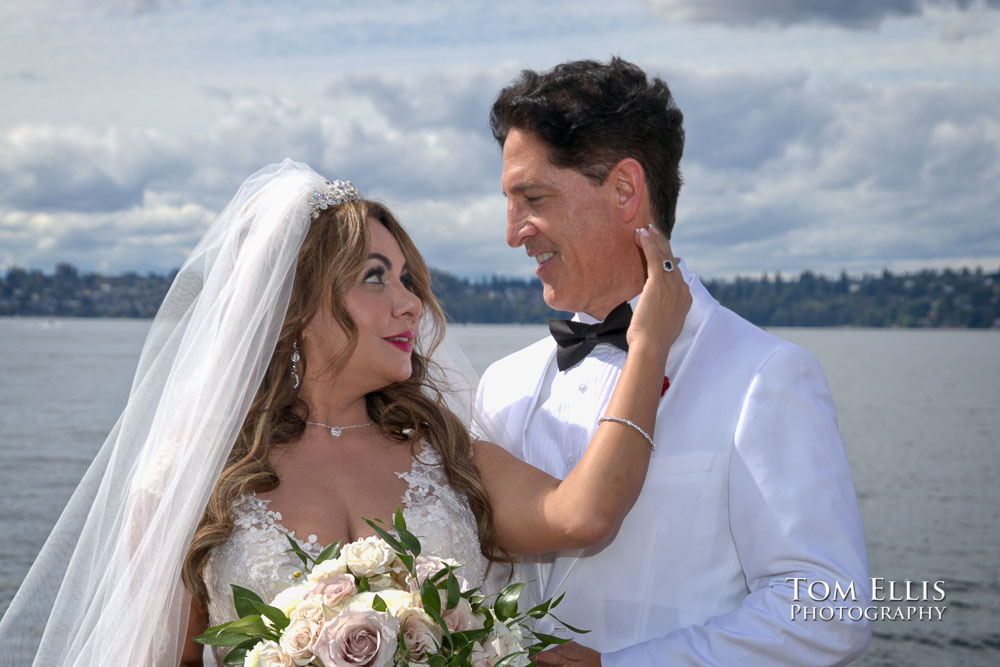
[402, 340]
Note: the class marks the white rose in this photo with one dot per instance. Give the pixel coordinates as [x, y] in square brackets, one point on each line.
[252, 658]
[271, 655]
[381, 582]
[504, 641]
[297, 640]
[369, 556]
[310, 609]
[482, 657]
[395, 600]
[288, 599]
[327, 568]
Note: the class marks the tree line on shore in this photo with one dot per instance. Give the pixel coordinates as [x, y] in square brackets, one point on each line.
[927, 298]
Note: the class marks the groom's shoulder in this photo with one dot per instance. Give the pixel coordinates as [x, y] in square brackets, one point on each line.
[724, 334]
[734, 337]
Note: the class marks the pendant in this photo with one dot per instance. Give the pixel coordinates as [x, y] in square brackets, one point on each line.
[335, 431]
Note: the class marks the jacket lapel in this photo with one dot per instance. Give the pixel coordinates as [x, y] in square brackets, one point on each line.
[544, 363]
[703, 305]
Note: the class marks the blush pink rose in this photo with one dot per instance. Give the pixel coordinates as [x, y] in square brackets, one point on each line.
[461, 617]
[426, 566]
[421, 635]
[357, 637]
[335, 588]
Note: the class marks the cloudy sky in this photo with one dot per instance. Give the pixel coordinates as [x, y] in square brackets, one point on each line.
[824, 134]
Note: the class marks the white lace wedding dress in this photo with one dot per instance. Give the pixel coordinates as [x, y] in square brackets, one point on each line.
[255, 557]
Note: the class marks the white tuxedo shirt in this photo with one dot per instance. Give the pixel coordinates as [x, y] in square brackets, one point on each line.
[748, 487]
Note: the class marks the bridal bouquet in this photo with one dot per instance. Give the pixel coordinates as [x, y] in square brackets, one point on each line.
[379, 602]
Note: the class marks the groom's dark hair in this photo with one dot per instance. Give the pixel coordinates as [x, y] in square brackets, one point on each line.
[591, 115]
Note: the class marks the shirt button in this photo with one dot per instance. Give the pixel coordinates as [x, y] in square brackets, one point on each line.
[571, 461]
[583, 388]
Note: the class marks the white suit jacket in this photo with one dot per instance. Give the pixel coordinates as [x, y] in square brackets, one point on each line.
[749, 485]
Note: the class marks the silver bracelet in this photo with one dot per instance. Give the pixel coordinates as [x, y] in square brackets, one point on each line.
[629, 422]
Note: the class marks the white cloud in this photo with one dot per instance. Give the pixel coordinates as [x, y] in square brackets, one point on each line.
[91, 195]
[882, 176]
[808, 147]
[855, 14]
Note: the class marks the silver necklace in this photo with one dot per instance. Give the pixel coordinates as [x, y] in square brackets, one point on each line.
[336, 431]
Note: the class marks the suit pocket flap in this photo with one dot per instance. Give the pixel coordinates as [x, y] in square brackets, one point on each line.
[680, 464]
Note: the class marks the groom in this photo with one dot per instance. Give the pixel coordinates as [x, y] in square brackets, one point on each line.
[748, 504]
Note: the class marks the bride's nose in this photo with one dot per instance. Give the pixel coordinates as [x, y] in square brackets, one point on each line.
[407, 304]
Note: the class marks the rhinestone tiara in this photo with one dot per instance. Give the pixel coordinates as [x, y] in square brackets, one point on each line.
[333, 193]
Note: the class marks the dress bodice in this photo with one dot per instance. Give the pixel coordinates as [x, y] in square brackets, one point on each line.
[254, 556]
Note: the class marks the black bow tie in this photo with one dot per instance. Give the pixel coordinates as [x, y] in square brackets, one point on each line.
[576, 339]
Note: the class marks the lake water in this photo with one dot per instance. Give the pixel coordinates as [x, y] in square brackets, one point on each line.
[919, 411]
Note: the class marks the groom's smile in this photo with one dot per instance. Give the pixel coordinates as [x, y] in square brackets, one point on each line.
[566, 222]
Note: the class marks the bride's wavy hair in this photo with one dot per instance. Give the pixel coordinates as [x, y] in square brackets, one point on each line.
[330, 260]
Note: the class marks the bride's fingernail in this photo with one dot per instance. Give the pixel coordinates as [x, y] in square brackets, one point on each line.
[642, 231]
[654, 229]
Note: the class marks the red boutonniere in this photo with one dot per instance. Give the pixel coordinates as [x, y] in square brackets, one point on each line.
[666, 385]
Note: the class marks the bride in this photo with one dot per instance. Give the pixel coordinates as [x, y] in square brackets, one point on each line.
[289, 384]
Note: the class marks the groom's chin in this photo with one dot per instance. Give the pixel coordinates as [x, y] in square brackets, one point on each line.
[556, 299]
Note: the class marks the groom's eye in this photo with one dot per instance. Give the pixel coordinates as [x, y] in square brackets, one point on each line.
[407, 281]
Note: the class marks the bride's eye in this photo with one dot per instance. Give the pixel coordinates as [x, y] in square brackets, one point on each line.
[407, 281]
[374, 275]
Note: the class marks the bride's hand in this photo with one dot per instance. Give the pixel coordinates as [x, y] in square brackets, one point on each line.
[659, 315]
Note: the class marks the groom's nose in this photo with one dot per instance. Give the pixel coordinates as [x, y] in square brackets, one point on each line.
[519, 227]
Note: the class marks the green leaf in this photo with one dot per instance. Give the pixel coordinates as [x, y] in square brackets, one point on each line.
[398, 520]
[409, 539]
[446, 641]
[248, 624]
[508, 659]
[332, 551]
[276, 615]
[363, 585]
[569, 627]
[243, 599]
[506, 605]
[454, 592]
[550, 639]
[469, 636]
[407, 560]
[387, 536]
[439, 576]
[378, 604]
[462, 654]
[217, 637]
[430, 597]
[239, 653]
[297, 550]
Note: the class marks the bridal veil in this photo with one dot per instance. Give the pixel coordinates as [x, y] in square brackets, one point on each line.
[106, 587]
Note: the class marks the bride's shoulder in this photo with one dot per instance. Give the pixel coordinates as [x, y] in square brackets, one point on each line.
[251, 511]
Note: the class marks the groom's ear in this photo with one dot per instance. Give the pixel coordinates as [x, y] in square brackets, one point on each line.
[629, 182]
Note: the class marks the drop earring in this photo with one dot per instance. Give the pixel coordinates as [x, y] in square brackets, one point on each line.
[296, 381]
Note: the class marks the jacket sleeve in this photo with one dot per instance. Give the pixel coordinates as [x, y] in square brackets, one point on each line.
[795, 520]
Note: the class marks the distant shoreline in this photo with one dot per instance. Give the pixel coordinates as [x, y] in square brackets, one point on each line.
[941, 299]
